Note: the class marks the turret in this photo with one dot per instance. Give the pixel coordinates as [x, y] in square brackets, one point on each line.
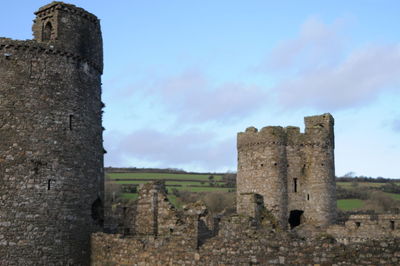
[262, 169]
[71, 29]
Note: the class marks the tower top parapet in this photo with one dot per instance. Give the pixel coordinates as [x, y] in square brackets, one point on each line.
[71, 29]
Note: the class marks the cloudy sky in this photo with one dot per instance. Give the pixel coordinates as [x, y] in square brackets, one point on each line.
[183, 77]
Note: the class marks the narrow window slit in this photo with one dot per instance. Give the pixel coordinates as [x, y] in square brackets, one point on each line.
[49, 183]
[392, 225]
[294, 185]
[70, 121]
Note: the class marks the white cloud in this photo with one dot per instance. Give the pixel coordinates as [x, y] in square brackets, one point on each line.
[162, 149]
[316, 44]
[317, 74]
[355, 81]
[194, 98]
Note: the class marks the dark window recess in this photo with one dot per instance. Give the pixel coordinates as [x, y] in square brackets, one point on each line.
[98, 212]
[308, 196]
[295, 218]
[294, 185]
[48, 28]
[49, 183]
[262, 165]
[358, 224]
[71, 121]
[392, 225]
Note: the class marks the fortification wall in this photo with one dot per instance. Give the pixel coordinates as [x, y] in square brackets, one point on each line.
[362, 228]
[51, 153]
[242, 239]
[241, 244]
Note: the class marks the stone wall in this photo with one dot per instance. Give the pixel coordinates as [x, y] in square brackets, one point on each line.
[293, 171]
[187, 237]
[361, 228]
[240, 243]
[51, 153]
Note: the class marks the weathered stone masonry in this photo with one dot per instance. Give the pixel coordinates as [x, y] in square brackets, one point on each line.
[292, 171]
[51, 152]
[165, 236]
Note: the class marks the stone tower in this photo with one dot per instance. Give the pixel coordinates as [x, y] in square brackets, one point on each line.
[294, 172]
[51, 152]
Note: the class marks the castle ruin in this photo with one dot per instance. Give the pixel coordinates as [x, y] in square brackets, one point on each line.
[294, 172]
[51, 147]
[51, 177]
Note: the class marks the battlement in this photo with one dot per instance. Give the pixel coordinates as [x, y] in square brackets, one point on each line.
[46, 10]
[271, 135]
[318, 132]
[11, 47]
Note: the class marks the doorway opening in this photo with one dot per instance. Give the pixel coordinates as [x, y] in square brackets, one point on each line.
[295, 218]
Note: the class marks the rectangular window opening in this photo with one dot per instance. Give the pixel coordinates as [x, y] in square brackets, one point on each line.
[392, 226]
[295, 185]
[358, 224]
[308, 196]
[49, 184]
[71, 117]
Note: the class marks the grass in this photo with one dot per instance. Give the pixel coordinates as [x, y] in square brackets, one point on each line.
[349, 204]
[131, 196]
[167, 183]
[359, 184]
[162, 176]
[205, 189]
[394, 196]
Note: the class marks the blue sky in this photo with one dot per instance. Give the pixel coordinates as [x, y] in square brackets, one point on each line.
[182, 78]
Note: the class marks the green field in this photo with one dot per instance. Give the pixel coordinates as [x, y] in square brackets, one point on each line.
[200, 177]
[168, 183]
[349, 204]
[180, 182]
[394, 196]
[201, 183]
[360, 184]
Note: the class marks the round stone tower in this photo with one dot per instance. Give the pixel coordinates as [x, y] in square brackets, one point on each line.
[51, 152]
[262, 167]
[294, 172]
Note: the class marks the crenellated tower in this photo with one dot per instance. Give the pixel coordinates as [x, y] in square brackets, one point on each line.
[292, 171]
[51, 151]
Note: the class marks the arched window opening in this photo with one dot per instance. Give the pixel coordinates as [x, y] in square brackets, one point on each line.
[48, 28]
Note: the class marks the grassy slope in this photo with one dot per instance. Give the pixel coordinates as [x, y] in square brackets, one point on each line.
[343, 204]
[349, 204]
[162, 176]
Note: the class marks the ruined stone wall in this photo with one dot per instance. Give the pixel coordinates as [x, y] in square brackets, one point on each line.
[51, 153]
[361, 228]
[293, 171]
[239, 243]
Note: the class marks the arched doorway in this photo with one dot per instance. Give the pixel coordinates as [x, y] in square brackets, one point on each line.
[295, 218]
